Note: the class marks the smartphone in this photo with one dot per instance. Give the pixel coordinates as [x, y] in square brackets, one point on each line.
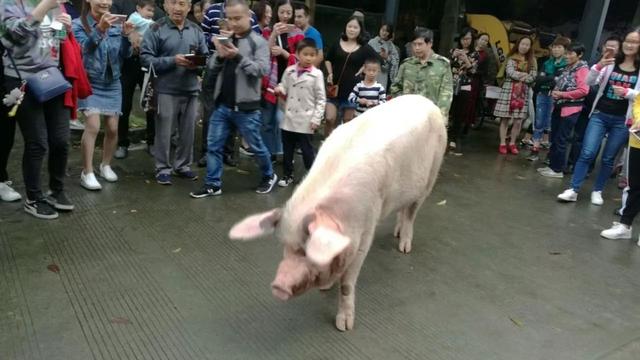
[224, 40]
[291, 27]
[119, 18]
[609, 52]
[198, 60]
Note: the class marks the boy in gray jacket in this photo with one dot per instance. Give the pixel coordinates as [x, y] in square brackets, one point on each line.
[241, 62]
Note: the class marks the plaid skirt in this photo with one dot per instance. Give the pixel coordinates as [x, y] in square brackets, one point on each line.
[502, 109]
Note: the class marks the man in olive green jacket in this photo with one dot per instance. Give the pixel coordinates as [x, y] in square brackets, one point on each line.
[426, 73]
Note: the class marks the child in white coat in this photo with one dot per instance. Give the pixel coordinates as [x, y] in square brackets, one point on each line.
[303, 86]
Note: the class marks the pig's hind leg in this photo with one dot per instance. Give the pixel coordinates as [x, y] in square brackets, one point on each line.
[404, 225]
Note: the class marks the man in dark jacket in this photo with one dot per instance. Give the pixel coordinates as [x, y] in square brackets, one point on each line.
[241, 62]
[169, 45]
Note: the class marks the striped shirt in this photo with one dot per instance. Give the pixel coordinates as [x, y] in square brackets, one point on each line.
[375, 93]
[210, 25]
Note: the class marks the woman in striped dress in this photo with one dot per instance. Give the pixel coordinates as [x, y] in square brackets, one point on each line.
[520, 73]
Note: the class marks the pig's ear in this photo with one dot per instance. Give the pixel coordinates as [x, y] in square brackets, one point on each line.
[324, 244]
[256, 226]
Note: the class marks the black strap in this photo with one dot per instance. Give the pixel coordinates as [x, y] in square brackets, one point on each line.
[344, 67]
[13, 63]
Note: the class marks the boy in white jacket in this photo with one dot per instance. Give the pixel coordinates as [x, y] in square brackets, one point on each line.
[303, 86]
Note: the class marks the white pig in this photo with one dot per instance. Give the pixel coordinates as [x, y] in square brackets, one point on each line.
[384, 161]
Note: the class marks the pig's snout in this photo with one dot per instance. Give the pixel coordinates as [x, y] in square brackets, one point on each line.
[281, 293]
[293, 278]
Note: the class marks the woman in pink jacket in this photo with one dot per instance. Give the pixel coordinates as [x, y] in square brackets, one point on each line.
[568, 98]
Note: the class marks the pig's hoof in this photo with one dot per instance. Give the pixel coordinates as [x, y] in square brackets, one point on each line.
[344, 321]
[396, 231]
[326, 287]
[405, 246]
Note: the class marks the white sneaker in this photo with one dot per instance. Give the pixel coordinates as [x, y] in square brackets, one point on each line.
[107, 173]
[7, 193]
[552, 174]
[543, 169]
[89, 181]
[76, 125]
[568, 196]
[596, 199]
[617, 231]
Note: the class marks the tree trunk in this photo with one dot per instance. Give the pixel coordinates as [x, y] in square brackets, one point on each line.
[449, 26]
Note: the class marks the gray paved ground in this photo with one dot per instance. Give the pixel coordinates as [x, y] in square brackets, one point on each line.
[141, 271]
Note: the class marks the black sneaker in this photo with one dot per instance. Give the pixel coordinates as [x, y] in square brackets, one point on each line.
[285, 181]
[246, 151]
[229, 160]
[267, 184]
[59, 201]
[203, 161]
[40, 209]
[206, 190]
[186, 174]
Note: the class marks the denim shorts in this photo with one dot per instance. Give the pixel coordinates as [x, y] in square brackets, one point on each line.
[341, 104]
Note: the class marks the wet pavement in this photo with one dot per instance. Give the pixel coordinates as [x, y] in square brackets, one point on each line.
[499, 270]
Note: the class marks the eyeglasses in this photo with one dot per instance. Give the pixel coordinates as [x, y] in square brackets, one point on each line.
[631, 42]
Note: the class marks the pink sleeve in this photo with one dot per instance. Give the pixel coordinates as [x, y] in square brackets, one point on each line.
[583, 88]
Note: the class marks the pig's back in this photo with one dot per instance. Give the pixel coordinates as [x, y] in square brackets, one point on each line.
[385, 147]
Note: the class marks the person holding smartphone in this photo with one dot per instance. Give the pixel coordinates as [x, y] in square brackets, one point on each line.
[617, 78]
[622, 229]
[44, 125]
[103, 39]
[283, 39]
[165, 46]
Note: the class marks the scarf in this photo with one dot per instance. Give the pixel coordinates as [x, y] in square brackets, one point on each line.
[518, 88]
[567, 82]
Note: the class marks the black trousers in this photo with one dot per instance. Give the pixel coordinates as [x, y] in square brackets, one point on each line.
[132, 76]
[289, 142]
[632, 206]
[7, 134]
[45, 128]
[459, 124]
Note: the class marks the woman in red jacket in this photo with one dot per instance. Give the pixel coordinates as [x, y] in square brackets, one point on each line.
[283, 38]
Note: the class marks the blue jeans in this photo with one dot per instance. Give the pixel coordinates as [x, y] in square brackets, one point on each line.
[617, 136]
[248, 124]
[544, 108]
[561, 134]
[271, 118]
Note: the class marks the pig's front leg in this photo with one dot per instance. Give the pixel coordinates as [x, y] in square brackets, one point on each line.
[347, 294]
[404, 226]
